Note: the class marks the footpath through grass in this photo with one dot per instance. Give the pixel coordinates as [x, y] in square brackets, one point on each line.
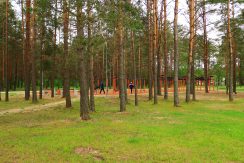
[17, 101]
[203, 131]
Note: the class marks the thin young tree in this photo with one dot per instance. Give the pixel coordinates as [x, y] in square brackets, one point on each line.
[155, 28]
[66, 54]
[33, 51]
[55, 50]
[193, 90]
[191, 39]
[149, 17]
[7, 57]
[165, 53]
[2, 64]
[134, 66]
[205, 44]
[42, 41]
[23, 39]
[27, 50]
[176, 56]
[159, 57]
[91, 83]
[234, 47]
[229, 32]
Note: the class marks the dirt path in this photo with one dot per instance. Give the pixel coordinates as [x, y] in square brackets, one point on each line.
[37, 107]
[213, 96]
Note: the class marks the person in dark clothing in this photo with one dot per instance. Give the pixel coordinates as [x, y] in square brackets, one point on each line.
[102, 88]
[131, 87]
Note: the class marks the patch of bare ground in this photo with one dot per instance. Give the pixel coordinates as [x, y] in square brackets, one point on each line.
[89, 151]
[169, 120]
[160, 118]
[123, 113]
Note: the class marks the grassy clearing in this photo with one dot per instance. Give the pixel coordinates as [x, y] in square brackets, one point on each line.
[209, 130]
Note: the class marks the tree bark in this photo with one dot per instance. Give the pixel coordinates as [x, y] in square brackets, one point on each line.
[55, 51]
[205, 48]
[27, 51]
[134, 66]
[92, 101]
[66, 54]
[6, 60]
[155, 51]
[188, 79]
[234, 48]
[176, 56]
[230, 54]
[84, 107]
[41, 57]
[193, 58]
[33, 51]
[149, 49]
[121, 57]
[165, 53]
[159, 57]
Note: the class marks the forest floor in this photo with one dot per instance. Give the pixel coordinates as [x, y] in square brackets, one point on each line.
[208, 130]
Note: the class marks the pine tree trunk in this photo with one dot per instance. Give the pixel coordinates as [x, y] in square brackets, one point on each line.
[84, 107]
[155, 51]
[159, 57]
[230, 54]
[241, 71]
[125, 78]
[234, 48]
[54, 54]
[33, 51]
[205, 48]
[149, 49]
[176, 56]
[41, 58]
[190, 57]
[6, 60]
[91, 83]
[165, 53]
[23, 39]
[106, 56]
[139, 64]
[66, 54]
[16, 72]
[193, 58]
[27, 51]
[134, 66]
[2, 67]
[227, 74]
[121, 58]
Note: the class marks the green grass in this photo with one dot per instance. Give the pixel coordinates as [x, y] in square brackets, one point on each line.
[238, 88]
[203, 131]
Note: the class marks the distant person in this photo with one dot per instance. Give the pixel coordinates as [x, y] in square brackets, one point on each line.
[131, 85]
[96, 88]
[102, 88]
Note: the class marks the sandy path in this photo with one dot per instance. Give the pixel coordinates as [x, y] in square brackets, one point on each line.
[37, 107]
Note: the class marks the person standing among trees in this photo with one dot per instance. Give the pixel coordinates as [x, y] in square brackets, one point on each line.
[102, 88]
[131, 85]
